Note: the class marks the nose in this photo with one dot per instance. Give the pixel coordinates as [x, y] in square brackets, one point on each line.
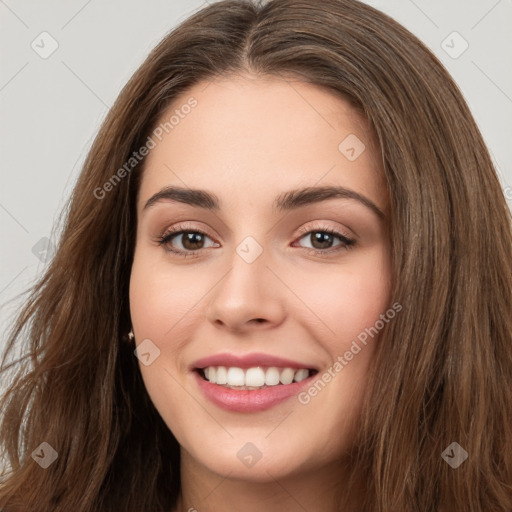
[247, 297]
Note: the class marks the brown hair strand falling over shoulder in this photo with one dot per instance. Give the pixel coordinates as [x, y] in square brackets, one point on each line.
[443, 368]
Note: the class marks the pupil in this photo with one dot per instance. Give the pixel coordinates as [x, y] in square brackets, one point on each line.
[322, 238]
[191, 239]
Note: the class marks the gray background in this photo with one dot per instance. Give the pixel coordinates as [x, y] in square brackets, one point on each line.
[51, 108]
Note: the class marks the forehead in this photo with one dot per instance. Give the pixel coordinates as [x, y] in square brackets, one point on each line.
[251, 138]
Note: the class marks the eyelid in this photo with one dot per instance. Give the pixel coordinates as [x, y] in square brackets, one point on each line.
[308, 228]
[186, 226]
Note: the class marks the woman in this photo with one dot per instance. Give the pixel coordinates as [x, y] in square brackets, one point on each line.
[284, 282]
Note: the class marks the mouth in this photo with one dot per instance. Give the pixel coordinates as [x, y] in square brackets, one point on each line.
[250, 382]
[253, 389]
[254, 378]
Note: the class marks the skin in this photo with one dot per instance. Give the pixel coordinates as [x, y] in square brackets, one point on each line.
[249, 139]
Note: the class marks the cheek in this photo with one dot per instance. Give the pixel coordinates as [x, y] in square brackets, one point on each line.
[345, 300]
[349, 302]
[160, 303]
[160, 297]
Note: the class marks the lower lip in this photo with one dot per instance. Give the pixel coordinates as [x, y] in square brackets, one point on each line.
[244, 400]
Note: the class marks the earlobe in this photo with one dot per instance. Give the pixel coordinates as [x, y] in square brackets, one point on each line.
[129, 337]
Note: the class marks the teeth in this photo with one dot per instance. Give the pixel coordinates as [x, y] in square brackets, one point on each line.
[286, 376]
[254, 378]
[301, 375]
[222, 375]
[236, 377]
[272, 376]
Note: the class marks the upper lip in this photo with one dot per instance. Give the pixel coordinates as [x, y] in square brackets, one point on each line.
[248, 361]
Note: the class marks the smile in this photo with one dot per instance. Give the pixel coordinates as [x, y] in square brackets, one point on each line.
[253, 378]
[251, 399]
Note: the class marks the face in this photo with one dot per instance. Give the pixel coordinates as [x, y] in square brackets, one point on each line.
[254, 276]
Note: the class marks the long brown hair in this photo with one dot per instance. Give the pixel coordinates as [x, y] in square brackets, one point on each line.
[442, 372]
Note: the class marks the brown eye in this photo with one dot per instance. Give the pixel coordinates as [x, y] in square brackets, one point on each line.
[323, 240]
[192, 240]
[186, 242]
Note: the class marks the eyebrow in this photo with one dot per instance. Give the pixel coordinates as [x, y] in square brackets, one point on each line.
[287, 201]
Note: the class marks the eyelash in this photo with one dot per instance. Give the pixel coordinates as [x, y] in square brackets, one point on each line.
[347, 243]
